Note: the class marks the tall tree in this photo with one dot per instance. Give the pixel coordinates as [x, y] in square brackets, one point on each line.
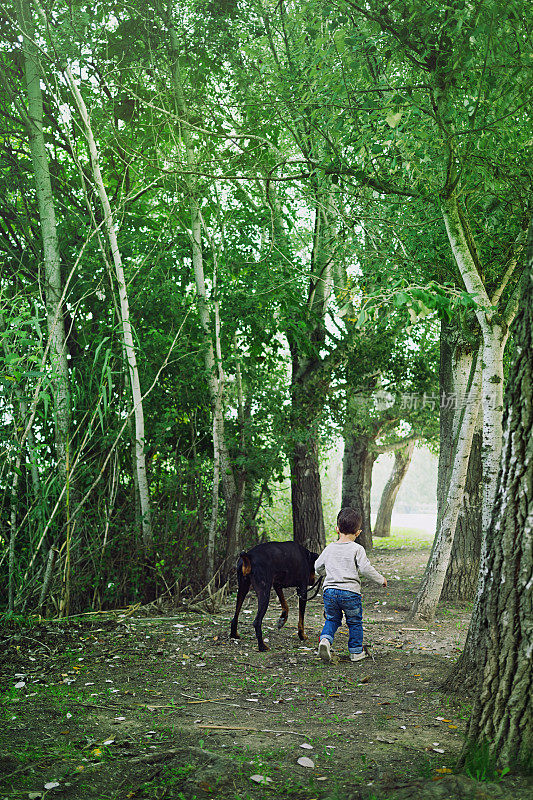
[497, 663]
[127, 333]
[53, 285]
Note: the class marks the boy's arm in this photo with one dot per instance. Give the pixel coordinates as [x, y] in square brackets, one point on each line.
[365, 567]
[320, 565]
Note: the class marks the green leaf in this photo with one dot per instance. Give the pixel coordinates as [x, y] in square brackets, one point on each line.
[393, 119]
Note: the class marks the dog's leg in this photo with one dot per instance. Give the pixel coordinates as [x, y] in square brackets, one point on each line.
[263, 598]
[244, 588]
[284, 607]
[302, 602]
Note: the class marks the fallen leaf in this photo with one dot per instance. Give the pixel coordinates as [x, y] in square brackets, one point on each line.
[260, 779]
[306, 762]
[443, 770]
[306, 746]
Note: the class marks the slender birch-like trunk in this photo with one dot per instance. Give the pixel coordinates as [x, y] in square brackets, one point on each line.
[457, 348]
[129, 347]
[425, 603]
[495, 334]
[222, 459]
[47, 219]
[463, 570]
[402, 460]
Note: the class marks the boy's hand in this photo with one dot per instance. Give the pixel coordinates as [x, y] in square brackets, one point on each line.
[384, 582]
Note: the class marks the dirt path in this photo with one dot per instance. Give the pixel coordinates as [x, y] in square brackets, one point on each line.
[170, 707]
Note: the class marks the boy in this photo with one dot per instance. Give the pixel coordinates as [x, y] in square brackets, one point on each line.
[341, 562]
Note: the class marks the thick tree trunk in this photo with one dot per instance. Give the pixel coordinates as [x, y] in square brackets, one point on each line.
[502, 716]
[144, 493]
[402, 460]
[425, 603]
[357, 465]
[309, 382]
[306, 496]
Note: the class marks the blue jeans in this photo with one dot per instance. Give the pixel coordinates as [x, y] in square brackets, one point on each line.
[335, 602]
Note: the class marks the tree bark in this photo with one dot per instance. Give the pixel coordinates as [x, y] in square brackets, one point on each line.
[463, 569]
[309, 382]
[144, 492]
[495, 331]
[402, 460]
[425, 603]
[306, 496]
[502, 716]
[357, 465]
[456, 348]
[47, 219]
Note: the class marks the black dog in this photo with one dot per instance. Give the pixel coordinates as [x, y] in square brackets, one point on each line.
[278, 565]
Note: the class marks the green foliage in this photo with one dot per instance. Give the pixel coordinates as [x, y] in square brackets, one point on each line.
[481, 764]
[319, 143]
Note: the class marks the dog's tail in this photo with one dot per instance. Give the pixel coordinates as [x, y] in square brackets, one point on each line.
[246, 566]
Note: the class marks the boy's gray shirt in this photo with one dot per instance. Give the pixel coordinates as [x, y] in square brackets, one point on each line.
[341, 563]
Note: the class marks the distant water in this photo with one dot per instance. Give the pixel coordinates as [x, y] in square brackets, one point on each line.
[424, 522]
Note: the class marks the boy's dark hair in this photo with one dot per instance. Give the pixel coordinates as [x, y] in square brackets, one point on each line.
[349, 520]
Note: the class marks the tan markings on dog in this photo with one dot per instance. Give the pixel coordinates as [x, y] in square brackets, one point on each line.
[301, 626]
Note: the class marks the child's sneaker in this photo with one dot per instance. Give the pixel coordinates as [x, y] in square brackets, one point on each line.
[324, 650]
[357, 656]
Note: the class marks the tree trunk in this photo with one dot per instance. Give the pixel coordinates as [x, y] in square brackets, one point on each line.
[402, 460]
[309, 382]
[357, 465]
[463, 570]
[502, 716]
[212, 355]
[495, 330]
[425, 603]
[144, 492]
[306, 496]
[47, 219]
[456, 347]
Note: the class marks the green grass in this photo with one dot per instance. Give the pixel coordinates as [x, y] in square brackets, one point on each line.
[404, 538]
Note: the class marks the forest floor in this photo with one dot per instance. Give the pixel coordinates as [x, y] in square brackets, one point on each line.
[168, 706]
